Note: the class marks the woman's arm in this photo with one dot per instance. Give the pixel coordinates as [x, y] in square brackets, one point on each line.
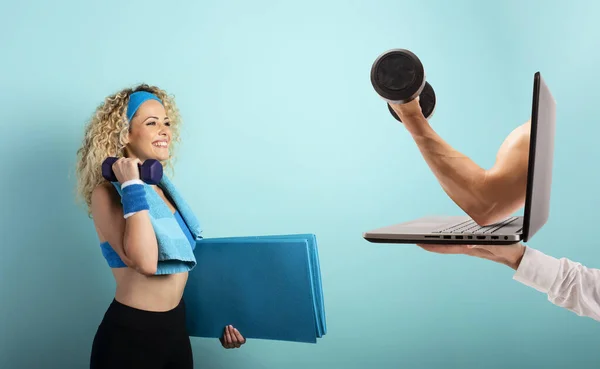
[133, 239]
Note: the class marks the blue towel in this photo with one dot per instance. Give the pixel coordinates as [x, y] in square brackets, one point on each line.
[175, 255]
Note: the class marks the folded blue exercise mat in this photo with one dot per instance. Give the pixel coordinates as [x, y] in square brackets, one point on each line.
[268, 287]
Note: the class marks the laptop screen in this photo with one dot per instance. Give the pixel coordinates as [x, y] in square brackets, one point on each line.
[541, 156]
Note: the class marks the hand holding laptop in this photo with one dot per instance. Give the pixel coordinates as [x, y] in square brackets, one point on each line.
[510, 255]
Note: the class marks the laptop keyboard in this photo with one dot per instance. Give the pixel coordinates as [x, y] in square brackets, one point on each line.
[469, 226]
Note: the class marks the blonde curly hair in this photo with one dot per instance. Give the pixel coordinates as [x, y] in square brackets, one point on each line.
[105, 136]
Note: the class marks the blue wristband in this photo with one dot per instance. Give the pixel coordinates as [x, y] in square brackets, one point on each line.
[133, 199]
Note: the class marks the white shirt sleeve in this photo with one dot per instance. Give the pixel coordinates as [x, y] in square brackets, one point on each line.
[568, 284]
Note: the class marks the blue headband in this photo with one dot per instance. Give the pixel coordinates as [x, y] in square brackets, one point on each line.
[136, 100]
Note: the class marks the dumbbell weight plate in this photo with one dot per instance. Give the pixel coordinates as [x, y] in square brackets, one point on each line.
[426, 102]
[151, 171]
[398, 76]
[107, 171]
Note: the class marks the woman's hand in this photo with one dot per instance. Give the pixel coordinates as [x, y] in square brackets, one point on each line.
[509, 255]
[232, 338]
[126, 169]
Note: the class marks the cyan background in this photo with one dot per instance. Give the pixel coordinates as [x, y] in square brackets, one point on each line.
[277, 101]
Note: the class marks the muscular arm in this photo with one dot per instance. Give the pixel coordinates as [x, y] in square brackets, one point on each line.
[133, 239]
[487, 196]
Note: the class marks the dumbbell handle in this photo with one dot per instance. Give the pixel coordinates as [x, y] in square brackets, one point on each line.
[150, 172]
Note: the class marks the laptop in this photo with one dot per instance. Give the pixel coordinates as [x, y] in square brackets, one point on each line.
[461, 229]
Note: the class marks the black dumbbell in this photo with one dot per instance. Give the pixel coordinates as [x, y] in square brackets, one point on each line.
[151, 171]
[398, 77]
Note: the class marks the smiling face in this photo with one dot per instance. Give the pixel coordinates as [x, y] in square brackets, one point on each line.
[150, 133]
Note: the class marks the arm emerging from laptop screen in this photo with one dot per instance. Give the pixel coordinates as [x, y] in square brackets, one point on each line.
[486, 195]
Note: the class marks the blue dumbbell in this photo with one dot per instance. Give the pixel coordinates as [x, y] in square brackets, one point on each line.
[151, 171]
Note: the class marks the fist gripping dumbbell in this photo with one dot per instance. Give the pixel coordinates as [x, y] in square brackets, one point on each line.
[399, 77]
[151, 171]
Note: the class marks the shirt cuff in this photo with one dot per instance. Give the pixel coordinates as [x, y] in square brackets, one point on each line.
[537, 270]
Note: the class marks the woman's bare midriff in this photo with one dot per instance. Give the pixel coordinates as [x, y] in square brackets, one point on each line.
[151, 293]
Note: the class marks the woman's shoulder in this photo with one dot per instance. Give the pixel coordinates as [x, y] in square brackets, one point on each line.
[105, 195]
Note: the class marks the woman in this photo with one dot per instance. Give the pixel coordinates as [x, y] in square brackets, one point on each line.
[144, 326]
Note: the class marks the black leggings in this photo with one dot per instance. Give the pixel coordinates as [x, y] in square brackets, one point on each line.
[131, 338]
